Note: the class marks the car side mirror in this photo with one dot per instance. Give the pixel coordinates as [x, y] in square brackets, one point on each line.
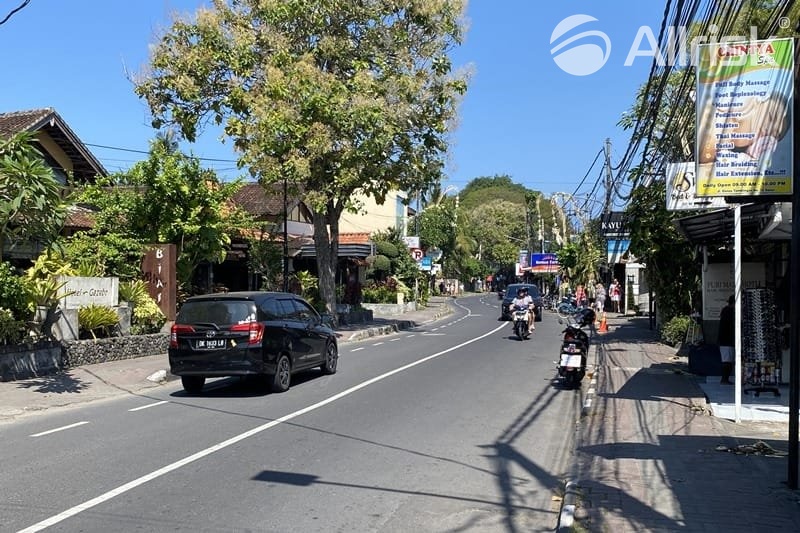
[327, 320]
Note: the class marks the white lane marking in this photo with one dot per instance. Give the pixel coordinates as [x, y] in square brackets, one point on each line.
[394, 340]
[148, 406]
[434, 334]
[412, 335]
[76, 424]
[377, 343]
[72, 511]
[357, 349]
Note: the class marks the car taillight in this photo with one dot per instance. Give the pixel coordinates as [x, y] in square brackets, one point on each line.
[255, 331]
[173, 334]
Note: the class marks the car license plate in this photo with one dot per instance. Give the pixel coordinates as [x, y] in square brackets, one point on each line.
[209, 344]
[570, 361]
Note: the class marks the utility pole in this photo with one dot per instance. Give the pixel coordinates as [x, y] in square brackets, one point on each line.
[609, 178]
[285, 237]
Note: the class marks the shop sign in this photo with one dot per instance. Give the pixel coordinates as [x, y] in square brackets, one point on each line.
[744, 101]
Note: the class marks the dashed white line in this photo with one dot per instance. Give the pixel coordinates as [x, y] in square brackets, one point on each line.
[409, 336]
[394, 340]
[148, 406]
[76, 424]
[155, 474]
[377, 343]
[357, 349]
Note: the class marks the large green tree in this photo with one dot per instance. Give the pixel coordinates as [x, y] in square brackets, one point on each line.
[170, 198]
[337, 97]
[31, 204]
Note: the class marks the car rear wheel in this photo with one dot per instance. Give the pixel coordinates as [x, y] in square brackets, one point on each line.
[331, 359]
[283, 375]
[193, 384]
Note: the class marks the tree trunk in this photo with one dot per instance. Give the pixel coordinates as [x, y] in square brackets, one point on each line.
[327, 247]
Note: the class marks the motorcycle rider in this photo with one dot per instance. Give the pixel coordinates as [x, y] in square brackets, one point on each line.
[524, 301]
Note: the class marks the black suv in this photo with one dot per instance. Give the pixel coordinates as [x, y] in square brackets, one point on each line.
[274, 334]
[511, 293]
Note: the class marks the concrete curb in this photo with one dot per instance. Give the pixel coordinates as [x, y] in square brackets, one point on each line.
[572, 489]
[388, 329]
[566, 518]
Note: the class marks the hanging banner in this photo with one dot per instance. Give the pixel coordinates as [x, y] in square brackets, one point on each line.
[682, 190]
[744, 102]
[544, 263]
[523, 260]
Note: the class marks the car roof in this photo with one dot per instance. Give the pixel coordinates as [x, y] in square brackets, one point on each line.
[526, 285]
[514, 287]
[239, 295]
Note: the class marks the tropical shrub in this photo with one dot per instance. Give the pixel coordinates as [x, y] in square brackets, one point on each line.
[11, 329]
[674, 331]
[377, 292]
[13, 292]
[133, 291]
[385, 292]
[147, 316]
[97, 319]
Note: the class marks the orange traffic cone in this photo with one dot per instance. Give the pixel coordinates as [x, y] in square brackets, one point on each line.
[603, 325]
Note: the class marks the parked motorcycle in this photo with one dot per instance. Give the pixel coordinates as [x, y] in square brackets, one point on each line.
[568, 307]
[520, 319]
[575, 348]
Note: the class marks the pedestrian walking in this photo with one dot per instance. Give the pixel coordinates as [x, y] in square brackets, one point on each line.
[727, 340]
[599, 297]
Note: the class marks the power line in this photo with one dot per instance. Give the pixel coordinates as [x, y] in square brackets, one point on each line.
[147, 152]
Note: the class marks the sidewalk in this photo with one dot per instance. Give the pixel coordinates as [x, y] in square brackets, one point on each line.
[108, 380]
[650, 456]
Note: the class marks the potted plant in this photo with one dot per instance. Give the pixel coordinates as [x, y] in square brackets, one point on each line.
[45, 295]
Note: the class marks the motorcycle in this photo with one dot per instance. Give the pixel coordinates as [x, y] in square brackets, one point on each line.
[520, 318]
[567, 307]
[574, 349]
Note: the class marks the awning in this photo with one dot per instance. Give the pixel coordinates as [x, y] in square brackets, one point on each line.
[359, 251]
[716, 226]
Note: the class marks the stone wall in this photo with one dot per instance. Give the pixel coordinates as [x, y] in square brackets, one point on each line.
[391, 309]
[29, 360]
[87, 352]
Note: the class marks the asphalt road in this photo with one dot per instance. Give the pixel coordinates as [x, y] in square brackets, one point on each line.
[454, 426]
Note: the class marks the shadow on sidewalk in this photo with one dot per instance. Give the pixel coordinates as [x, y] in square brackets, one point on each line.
[659, 382]
[685, 481]
[53, 384]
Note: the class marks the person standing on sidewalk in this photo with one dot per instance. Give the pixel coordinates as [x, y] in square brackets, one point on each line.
[615, 292]
[727, 339]
[600, 298]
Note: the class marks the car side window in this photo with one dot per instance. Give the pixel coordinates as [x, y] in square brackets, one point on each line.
[287, 310]
[271, 309]
[305, 312]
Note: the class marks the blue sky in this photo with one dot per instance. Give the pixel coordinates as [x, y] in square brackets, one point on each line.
[522, 116]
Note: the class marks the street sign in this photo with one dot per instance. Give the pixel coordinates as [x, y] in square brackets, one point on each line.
[417, 254]
[412, 241]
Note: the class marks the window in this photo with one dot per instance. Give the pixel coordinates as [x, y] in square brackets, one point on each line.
[305, 312]
[287, 310]
[271, 309]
